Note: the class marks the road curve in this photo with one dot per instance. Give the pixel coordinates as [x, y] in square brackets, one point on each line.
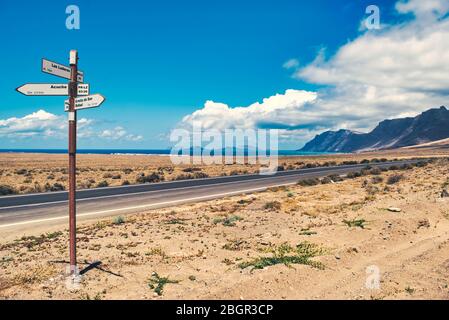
[43, 208]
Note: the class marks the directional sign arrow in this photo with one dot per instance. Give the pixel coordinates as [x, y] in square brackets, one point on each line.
[50, 89]
[86, 102]
[59, 70]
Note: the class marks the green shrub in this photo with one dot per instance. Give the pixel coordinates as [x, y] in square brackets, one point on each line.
[287, 255]
[153, 177]
[326, 180]
[360, 223]
[7, 190]
[377, 179]
[353, 175]
[183, 176]
[228, 221]
[272, 205]
[158, 283]
[335, 177]
[103, 184]
[56, 187]
[421, 164]
[309, 182]
[200, 175]
[119, 220]
[191, 169]
[394, 178]
[349, 162]
[21, 171]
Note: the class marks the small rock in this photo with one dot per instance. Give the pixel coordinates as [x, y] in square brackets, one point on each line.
[444, 194]
[423, 223]
[353, 250]
[392, 209]
[337, 257]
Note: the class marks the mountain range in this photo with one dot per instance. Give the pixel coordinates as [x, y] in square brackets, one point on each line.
[428, 126]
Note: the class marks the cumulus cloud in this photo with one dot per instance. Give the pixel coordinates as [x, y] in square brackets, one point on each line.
[397, 71]
[37, 123]
[289, 112]
[43, 124]
[277, 108]
[119, 133]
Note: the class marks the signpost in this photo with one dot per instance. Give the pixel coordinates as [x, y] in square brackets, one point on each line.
[60, 70]
[73, 89]
[86, 102]
[51, 89]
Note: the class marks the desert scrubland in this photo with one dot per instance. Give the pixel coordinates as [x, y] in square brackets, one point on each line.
[22, 173]
[320, 239]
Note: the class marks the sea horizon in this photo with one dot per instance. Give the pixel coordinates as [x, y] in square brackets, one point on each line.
[138, 151]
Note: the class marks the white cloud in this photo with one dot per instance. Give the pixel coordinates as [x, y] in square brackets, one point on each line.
[397, 71]
[42, 124]
[119, 133]
[37, 123]
[291, 64]
[279, 107]
[424, 9]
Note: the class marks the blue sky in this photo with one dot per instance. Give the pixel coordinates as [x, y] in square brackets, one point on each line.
[159, 61]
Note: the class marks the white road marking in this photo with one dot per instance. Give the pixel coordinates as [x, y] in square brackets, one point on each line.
[324, 169]
[93, 213]
[340, 168]
[151, 191]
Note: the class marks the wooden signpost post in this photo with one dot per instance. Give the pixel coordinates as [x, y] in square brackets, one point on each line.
[73, 89]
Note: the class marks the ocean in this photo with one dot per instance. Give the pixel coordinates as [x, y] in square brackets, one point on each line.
[138, 151]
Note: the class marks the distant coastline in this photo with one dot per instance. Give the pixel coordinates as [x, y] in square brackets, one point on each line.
[141, 152]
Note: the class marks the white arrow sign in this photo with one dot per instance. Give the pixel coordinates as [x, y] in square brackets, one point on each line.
[86, 102]
[51, 89]
[59, 70]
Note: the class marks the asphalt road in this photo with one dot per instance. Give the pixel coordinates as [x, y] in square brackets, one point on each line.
[43, 208]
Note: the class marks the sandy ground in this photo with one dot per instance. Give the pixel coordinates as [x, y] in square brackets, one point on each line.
[29, 173]
[208, 250]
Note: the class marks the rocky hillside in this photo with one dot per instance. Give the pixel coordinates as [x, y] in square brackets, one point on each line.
[430, 125]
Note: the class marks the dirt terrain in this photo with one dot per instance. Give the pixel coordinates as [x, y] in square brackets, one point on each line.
[317, 240]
